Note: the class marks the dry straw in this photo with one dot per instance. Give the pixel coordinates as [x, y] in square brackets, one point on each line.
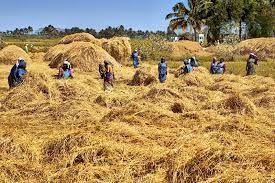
[195, 128]
[10, 54]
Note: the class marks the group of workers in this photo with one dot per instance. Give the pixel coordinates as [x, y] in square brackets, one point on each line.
[106, 69]
[217, 67]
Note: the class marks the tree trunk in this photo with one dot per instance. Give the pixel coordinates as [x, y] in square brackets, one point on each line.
[240, 31]
[195, 34]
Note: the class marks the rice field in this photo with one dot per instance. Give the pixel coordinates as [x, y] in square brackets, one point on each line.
[194, 128]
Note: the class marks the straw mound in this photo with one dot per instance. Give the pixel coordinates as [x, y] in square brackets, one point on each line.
[38, 56]
[196, 128]
[199, 77]
[119, 48]
[2, 44]
[239, 104]
[222, 51]
[143, 77]
[264, 47]
[10, 54]
[55, 51]
[184, 48]
[35, 89]
[84, 56]
[80, 37]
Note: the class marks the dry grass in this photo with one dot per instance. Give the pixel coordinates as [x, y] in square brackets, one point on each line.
[80, 37]
[10, 54]
[263, 47]
[119, 48]
[83, 55]
[195, 128]
[186, 48]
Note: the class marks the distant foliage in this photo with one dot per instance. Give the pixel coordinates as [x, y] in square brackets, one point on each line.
[152, 48]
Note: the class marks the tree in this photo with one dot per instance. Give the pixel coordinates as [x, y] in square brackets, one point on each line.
[30, 29]
[188, 16]
[50, 31]
[91, 31]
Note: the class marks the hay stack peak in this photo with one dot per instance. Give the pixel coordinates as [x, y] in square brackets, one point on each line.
[119, 48]
[83, 55]
[80, 37]
[10, 54]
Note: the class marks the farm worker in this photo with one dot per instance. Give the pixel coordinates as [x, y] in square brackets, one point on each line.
[221, 67]
[213, 66]
[65, 71]
[101, 69]
[252, 60]
[17, 73]
[135, 59]
[194, 62]
[109, 76]
[26, 48]
[162, 69]
[187, 68]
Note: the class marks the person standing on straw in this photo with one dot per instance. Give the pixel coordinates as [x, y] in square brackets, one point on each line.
[213, 66]
[109, 76]
[251, 62]
[220, 67]
[162, 69]
[135, 58]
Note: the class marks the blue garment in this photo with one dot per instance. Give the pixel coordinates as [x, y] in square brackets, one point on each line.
[16, 75]
[20, 73]
[213, 67]
[188, 68]
[67, 74]
[220, 68]
[135, 59]
[162, 69]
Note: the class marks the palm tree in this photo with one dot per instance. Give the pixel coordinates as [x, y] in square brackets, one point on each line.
[188, 16]
[30, 29]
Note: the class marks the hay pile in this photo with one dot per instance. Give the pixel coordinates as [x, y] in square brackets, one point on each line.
[85, 51]
[10, 54]
[263, 47]
[119, 48]
[2, 44]
[143, 77]
[195, 128]
[186, 48]
[80, 37]
[83, 55]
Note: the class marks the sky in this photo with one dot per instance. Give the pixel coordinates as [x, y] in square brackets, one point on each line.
[98, 14]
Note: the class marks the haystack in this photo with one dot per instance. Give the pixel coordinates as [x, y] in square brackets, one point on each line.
[264, 47]
[238, 104]
[54, 51]
[183, 48]
[200, 77]
[143, 77]
[82, 55]
[119, 48]
[2, 44]
[80, 37]
[10, 54]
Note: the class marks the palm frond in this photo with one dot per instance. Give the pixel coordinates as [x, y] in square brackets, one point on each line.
[180, 9]
[171, 15]
[179, 22]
